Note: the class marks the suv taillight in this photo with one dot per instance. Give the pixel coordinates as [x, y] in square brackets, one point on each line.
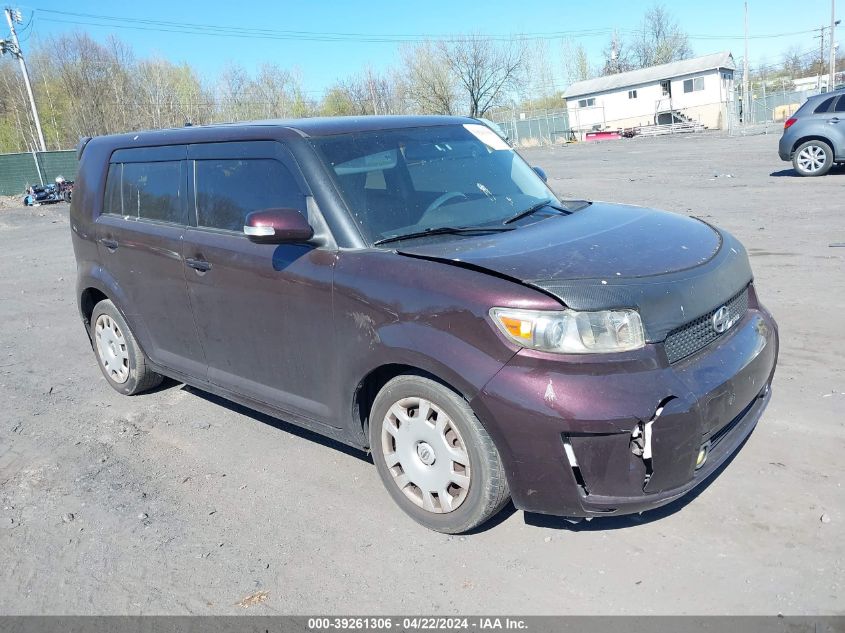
[789, 122]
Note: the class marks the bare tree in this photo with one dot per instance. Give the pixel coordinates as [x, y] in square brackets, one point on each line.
[92, 78]
[617, 57]
[486, 71]
[793, 63]
[659, 39]
[576, 63]
[430, 87]
[540, 86]
[338, 101]
[234, 99]
[277, 91]
[15, 124]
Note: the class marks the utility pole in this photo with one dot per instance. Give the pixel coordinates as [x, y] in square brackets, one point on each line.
[821, 57]
[746, 99]
[831, 81]
[12, 16]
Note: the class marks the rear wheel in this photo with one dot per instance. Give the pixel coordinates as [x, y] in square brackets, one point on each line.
[120, 358]
[434, 456]
[813, 158]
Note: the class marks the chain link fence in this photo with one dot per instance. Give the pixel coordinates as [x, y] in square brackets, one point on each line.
[530, 129]
[770, 107]
[767, 112]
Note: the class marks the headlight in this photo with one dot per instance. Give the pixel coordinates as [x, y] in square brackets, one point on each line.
[571, 332]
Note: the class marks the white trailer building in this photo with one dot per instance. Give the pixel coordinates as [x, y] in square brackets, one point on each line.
[692, 90]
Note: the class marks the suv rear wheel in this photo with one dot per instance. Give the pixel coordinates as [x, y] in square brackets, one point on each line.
[434, 456]
[120, 358]
[813, 158]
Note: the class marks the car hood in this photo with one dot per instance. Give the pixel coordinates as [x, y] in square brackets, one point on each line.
[670, 267]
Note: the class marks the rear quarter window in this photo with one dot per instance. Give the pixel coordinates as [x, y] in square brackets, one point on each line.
[824, 106]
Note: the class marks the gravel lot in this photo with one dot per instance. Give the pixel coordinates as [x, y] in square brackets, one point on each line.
[176, 502]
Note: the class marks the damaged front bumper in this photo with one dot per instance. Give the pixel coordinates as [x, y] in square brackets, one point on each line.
[625, 433]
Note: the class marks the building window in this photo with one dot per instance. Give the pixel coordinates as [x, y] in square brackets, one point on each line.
[666, 86]
[586, 103]
[694, 85]
[632, 94]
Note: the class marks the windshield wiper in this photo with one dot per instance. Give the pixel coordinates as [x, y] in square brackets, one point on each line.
[536, 207]
[443, 230]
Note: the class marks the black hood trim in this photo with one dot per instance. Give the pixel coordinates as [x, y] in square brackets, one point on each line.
[666, 301]
[482, 270]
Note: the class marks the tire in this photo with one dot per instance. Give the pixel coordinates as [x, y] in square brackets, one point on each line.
[813, 158]
[119, 356]
[422, 453]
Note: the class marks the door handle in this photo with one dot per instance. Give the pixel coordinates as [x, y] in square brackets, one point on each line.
[108, 243]
[833, 120]
[200, 265]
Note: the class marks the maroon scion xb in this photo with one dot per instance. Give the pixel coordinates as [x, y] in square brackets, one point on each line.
[411, 287]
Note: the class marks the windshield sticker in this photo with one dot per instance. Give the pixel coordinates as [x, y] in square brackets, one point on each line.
[486, 136]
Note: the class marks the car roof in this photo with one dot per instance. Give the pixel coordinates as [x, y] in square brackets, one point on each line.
[825, 95]
[326, 126]
[309, 127]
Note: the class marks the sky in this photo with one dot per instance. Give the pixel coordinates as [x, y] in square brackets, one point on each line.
[328, 40]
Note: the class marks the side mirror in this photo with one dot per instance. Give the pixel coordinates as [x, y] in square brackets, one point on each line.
[542, 173]
[276, 226]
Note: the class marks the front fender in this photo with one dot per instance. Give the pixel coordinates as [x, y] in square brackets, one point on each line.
[429, 316]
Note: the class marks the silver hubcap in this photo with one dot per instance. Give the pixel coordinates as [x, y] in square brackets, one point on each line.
[811, 158]
[426, 455]
[111, 348]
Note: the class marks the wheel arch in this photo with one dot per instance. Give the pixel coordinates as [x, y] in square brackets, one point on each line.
[812, 137]
[92, 290]
[370, 385]
[89, 298]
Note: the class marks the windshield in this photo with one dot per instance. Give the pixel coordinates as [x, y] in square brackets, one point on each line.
[413, 180]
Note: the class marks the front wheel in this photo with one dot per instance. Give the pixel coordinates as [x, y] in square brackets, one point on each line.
[434, 457]
[813, 158]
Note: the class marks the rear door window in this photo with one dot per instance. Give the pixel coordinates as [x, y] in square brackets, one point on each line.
[151, 191]
[840, 105]
[227, 190]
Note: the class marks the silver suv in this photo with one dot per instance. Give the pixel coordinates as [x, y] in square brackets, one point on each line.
[814, 137]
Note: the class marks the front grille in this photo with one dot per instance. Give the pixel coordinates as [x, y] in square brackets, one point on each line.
[689, 338]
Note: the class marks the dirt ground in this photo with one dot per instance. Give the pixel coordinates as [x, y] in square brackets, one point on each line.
[175, 502]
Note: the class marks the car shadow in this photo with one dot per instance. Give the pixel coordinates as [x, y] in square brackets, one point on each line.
[630, 520]
[600, 523]
[836, 170]
[280, 424]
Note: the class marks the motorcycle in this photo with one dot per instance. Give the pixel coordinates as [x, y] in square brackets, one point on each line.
[61, 191]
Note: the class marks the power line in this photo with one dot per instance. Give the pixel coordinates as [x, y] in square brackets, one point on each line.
[165, 26]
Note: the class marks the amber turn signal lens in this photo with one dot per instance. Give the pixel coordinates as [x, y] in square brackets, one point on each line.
[517, 327]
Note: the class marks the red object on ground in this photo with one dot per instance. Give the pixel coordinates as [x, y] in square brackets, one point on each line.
[602, 136]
